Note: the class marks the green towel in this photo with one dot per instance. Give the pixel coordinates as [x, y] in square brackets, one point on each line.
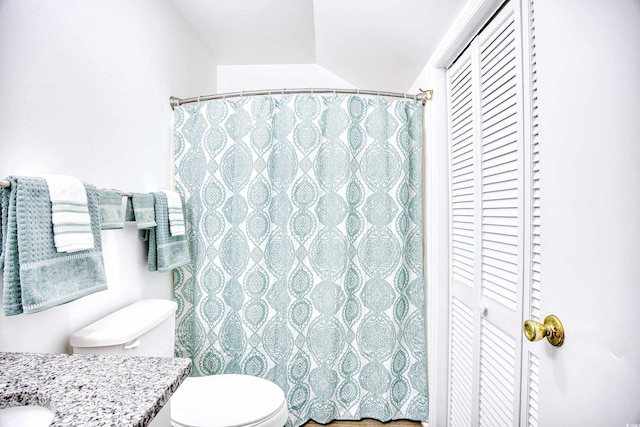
[140, 209]
[36, 276]
[111, 216]
[166, 252]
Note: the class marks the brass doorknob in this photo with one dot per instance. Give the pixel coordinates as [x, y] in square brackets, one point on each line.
[552, 329]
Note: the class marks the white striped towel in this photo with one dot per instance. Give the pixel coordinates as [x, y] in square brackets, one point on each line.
[176, 217]
[69, 213]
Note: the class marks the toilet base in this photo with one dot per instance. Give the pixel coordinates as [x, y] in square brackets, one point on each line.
[277, 420]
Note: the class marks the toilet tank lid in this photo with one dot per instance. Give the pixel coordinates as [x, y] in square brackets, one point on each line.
[124, 325]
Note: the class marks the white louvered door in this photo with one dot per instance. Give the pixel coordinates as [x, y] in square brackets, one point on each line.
[487, 232]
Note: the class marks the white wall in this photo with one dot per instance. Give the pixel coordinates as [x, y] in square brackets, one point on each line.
[236, 78]
[84, 91]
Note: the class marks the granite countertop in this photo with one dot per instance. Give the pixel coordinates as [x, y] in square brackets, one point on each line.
[92, 390]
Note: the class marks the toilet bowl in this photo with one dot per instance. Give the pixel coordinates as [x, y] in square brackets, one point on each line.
[147, 328]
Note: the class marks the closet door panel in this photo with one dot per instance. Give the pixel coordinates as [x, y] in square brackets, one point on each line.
[463, 134]
[530, 387]
[501, 213]
[487, 226]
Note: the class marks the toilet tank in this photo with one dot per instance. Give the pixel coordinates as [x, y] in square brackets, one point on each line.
[144, 328]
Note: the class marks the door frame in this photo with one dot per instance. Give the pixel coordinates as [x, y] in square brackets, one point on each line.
[466, 26]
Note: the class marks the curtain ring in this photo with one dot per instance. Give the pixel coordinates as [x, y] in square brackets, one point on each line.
[282, 91]
[378, 94]
[334, 92]
[311, 90]
[198, 99]
[241, 94]
[269, 92]
[414, 97]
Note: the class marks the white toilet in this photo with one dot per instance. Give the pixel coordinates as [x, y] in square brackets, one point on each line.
[147, 328]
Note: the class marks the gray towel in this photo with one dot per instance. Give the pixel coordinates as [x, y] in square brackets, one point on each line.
[141, 210]
[36, 276]
[166, 252]
[111, 216]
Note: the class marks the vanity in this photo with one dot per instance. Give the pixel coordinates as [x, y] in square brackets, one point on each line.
[91, 390]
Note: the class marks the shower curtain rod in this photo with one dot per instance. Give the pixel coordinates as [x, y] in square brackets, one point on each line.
[424, 95]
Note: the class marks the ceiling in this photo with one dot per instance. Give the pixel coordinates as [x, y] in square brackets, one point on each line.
[372, 44]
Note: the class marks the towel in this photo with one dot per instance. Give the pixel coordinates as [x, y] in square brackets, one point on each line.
[70, 215]
[166, 252]
[140, 209]
[9, 263]
[36, 276]
[111, 216]
[176, 217]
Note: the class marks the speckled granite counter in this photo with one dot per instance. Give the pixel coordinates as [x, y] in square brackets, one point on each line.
[88, 390]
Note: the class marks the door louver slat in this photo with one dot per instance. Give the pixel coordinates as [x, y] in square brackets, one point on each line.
[461, 375]
[462, 170]
[497, 375]
[500, 159]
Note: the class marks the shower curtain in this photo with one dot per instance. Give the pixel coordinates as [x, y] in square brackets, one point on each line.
[304, 216]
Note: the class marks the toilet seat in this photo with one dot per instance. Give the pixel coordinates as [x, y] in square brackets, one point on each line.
[229, 400]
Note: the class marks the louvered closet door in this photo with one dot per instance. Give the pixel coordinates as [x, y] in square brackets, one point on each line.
[487, 223]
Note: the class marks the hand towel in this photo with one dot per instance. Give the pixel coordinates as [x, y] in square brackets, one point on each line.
[140, 209]
[166, 252]
[176, 218]
[36, 276]
[69, 212]
[111, 216]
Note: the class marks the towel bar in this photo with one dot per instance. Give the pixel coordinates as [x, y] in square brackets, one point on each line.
[7, 184]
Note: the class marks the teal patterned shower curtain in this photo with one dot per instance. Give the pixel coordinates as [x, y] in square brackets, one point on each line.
[305, 222]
